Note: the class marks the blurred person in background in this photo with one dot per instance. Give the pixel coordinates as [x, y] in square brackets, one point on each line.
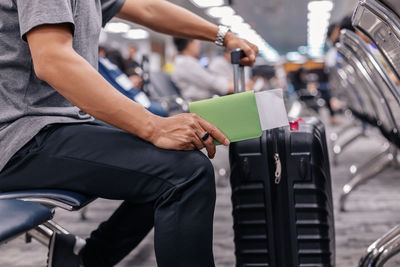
[221, 65]
[305, 89]
[133, 68]
[131, 61]
[333, 35]
[195, 81]
[110, 63]
[331, 103]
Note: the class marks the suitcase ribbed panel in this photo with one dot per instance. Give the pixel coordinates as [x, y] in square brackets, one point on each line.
[249, 226]
[313, 215]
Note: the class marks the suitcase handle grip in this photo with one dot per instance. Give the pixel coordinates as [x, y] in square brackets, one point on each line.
[238, 70]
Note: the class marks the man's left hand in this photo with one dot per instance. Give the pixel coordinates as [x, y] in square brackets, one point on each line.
[233, 42]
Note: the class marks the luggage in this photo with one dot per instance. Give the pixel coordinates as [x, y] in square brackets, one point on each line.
[282, 197]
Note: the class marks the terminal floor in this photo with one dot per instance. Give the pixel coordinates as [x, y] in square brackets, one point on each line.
[372, 210]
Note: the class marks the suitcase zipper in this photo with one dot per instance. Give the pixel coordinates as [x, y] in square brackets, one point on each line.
[278, 168]
[277, 159]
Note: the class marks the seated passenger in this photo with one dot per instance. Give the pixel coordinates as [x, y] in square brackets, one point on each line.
[50, 93]
[195, 81]
[221, 65]
[123, 84]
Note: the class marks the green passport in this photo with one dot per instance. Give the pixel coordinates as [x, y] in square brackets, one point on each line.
[235, 115]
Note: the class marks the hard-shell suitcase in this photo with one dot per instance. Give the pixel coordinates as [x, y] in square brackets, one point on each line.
[282, 198]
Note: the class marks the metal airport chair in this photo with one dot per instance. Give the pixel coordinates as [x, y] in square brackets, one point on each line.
[339, 83]
[381, 116]
[378, 162]
[352, 106]
[349, 93]
[18, 217]
[380, 22]
[383, 92]
[356, 106]
[387, 95]
[361, 107]
[382, 250]
[344, 91]
[52, 199]
[370, 114]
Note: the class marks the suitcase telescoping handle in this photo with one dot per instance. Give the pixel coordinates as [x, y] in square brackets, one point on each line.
[238, 70]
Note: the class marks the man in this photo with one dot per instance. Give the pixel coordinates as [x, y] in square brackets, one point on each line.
[195, 81]
[49, 89]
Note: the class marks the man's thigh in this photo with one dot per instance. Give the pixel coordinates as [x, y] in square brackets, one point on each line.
[100, 161]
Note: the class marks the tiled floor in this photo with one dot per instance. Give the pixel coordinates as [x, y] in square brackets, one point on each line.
[372, 210]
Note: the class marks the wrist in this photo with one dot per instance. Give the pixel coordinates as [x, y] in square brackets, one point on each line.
[149, 132]
[228, 37]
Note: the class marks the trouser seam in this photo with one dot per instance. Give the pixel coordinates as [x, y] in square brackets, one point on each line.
[117, 168]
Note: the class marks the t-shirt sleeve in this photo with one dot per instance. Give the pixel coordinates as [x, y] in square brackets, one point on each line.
[110, 8]
[33, 13]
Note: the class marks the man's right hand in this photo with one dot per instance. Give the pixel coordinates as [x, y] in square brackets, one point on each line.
[184, 132]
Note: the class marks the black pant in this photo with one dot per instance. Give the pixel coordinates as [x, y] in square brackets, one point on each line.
[174, 191]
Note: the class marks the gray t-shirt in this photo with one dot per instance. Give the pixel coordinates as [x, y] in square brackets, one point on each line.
[27, 104]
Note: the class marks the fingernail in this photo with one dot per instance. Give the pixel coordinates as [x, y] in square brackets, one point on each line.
[226, 142]
[252, 57]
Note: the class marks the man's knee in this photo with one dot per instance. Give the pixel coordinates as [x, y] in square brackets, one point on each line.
[199, 172]
[200, 165]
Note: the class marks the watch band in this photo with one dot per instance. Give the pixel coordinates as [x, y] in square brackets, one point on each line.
[222, 31]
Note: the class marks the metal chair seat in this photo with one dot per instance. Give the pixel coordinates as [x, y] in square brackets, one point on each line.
[393, 5]
[380, 21]
[18, 217]
[53, 198]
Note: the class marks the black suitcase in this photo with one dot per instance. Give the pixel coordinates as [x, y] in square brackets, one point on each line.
[282, 198]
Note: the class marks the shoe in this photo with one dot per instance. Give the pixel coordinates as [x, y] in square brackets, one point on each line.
[64, 251]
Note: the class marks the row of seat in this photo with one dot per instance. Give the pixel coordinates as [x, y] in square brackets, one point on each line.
[363, 78]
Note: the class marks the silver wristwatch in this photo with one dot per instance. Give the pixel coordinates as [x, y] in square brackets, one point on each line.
[222, 31]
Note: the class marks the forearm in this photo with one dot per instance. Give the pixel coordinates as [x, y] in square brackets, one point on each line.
[165, 17]
[83, 86]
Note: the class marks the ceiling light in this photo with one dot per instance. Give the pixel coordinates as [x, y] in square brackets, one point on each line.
[319, 16]
[231, 20]
[219, 12]
[319, 13]
[117, 27]
[320, 6]
[136, 34]
[207, 3]
[294, 56]
[240, 27]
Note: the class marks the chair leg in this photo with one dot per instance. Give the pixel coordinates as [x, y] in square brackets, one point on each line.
[42, 234]
[385, 252]
[375, 248]
[354, 170]
[361, 178]
[335, 136]
[338, 148]
[83, 213]
[396, 161]
[388, 251]
[55, 227]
